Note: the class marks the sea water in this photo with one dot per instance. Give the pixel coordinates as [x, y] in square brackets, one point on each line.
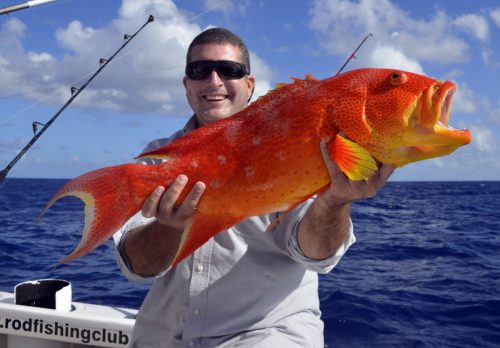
[425, 271]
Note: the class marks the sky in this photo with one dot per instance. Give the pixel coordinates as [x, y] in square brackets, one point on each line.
[139, 96]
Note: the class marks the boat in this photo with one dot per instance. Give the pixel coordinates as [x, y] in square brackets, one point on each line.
[66, 325]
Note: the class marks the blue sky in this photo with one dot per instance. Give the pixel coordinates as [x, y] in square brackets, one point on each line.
[46, 49]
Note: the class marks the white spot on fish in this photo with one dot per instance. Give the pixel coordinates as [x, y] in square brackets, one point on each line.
[249, 171]
[215, 184]
[280, 155]
[194, 164]
[256, 141]
[222, 159]
[284, 127]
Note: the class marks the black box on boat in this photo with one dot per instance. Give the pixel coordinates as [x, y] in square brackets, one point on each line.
[44, 293]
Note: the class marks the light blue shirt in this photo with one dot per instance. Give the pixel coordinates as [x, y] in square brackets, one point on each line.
[245, 287]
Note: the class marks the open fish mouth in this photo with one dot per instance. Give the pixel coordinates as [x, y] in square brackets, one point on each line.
[432, 119]
[436, 104]
[448, 134]
[444, 117]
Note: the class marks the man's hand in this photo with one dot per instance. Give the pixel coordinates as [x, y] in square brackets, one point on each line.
[161, 204]
[151, 249]
[325, 227]
[343, 191]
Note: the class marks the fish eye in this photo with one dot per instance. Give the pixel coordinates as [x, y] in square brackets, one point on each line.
[398, 78]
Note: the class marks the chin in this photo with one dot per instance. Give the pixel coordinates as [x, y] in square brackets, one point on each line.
[209, 117]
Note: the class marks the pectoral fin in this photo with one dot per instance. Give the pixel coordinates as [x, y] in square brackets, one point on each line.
[352, 159]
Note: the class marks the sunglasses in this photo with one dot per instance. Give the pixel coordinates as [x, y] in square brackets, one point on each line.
[226, 69]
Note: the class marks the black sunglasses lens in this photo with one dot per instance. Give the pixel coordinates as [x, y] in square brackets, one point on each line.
[227, 69]
[196, 71]
[231, 70]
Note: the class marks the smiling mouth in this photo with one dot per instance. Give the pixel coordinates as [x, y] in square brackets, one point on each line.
[215, 97]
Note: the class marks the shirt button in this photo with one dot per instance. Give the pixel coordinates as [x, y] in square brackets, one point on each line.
[197, 311]
[199, 267]
[191, 343]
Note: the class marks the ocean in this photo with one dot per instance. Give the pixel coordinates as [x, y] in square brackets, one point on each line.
[425, 271]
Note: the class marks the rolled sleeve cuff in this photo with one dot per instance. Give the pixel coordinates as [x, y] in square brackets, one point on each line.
[286, 238]
[324, 265]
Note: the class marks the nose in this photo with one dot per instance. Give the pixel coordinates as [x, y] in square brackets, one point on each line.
[214, 79]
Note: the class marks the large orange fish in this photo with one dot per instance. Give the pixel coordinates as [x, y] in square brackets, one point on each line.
[267, 157]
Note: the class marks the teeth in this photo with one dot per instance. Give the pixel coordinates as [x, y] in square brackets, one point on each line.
[215, 97]
[445, 125]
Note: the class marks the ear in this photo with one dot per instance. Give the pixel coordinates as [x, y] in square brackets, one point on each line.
[184, 81]
[251, 86]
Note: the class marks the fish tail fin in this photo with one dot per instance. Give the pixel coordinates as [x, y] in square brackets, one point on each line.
[111, 196]
[204, 226]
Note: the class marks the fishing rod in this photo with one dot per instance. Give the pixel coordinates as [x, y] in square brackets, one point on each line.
[24, 5]
[353, 54]
[74, 93]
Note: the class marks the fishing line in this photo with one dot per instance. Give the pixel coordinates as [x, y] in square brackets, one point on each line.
[56, 91]
[74, 93]
[117, 58]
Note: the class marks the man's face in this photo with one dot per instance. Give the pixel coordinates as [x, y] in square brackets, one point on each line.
[215, 97]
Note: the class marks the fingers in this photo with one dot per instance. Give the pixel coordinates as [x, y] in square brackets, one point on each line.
[385, 171]
[172, 194]
[150, 206]
[343, 189]
[162, 202]
[332, 167]
[193, 198]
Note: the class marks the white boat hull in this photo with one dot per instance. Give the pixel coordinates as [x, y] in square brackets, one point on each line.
[85, 325]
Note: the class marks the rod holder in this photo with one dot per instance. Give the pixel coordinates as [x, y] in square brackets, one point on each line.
[44, 293]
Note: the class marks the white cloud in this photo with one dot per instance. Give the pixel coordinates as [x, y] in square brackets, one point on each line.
[39, 57]
[75, 34]
[341, 24]
[454, 74]
[14, 29]
[227, 7]
[390, 57]
[495, 15]
[495, 116]
[483, 139]
[75, 159]
[464, 100]
[145, 78]
[474, 24]
[263, 75]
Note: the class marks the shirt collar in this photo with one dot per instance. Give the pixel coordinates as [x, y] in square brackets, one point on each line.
[191, 125]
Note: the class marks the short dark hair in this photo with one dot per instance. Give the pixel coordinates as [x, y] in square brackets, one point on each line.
[220, 36]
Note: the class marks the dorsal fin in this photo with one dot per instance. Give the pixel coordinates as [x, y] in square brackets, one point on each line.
[284, 90]
[196, 138]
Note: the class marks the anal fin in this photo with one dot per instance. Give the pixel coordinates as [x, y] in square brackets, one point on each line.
[203, 228]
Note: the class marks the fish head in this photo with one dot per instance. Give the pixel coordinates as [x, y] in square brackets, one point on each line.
[400, 117]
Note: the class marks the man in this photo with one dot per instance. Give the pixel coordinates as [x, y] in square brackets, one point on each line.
[244, 287]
